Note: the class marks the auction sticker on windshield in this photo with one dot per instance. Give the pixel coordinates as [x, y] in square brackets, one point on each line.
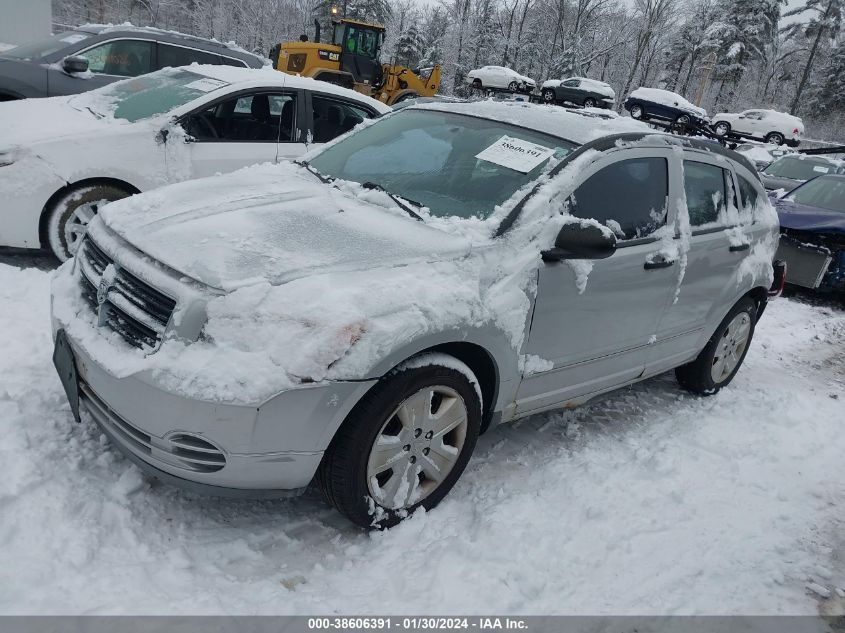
[516, 154]
[206, 84]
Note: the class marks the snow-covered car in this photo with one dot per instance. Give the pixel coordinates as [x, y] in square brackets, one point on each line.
[771, 126]
[655, 103]
[812, 220]
[94, 55]
[589, 93]
[65, 157]
[763, 155]
[787, 172]
[499, 78]
[359, 317]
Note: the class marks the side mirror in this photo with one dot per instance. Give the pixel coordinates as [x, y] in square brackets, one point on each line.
[75, 64]
[161, 136]
[577, 241]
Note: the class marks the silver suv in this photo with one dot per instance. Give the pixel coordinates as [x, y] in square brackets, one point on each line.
[358, 319]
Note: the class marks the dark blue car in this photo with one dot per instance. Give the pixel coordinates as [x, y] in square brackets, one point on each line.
[654, 103]
[812, 220]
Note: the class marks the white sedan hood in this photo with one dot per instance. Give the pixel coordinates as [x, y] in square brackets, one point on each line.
[273, 223]
[31, 121]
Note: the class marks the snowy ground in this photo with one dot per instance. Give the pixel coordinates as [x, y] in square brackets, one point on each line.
[650, 502]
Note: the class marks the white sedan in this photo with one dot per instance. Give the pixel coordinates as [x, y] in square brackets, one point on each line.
[500, 78]
[774, 127]
[62, 158]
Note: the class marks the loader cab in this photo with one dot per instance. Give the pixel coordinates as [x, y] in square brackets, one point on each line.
[360, 44]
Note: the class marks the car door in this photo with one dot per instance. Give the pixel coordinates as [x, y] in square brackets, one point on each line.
[750, 123]
[593, 321]
[330, 116]
[570, 91]
[172, 55]
[244, 129]
[709, 259]
[108, 62]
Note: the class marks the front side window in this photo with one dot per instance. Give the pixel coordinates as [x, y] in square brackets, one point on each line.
[628, 196]
[704, 186]
[174, 56]
[572, 83]
[431, 157]
[124, 58]
[257, 118]
[333, 117]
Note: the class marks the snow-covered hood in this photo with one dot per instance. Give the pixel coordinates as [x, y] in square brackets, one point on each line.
[273, 223]
[37, 120]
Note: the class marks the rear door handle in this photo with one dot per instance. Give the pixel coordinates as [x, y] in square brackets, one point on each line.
[660, 263]
[739, 247]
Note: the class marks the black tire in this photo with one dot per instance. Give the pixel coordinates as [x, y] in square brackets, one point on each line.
[697, 376]
[342, 476]
[64, 215]
[513, 86]
[721, 125]
[476, 83]
[549, 96]
[589, 102]
[638, 112]
[775, 138]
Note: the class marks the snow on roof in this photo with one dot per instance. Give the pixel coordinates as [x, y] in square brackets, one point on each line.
[567, 124]
[269, 77]
[667, 97]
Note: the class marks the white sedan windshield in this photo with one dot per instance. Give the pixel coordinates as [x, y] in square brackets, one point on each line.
[454, 164]
[147, 96]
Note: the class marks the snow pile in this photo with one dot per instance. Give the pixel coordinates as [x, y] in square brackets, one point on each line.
[667, 98]
[604, 510]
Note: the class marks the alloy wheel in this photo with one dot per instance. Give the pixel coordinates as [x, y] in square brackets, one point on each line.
[731, 347]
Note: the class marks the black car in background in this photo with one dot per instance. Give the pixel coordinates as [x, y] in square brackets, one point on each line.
[589, 93]
[812, 221]
[92, 56]
[654, 103]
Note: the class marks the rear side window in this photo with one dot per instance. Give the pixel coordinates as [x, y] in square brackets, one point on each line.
[747, 194]
[629, 197]
[173, 56]
[705, 189]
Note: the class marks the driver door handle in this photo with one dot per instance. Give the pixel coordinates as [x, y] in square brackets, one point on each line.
[658, 263]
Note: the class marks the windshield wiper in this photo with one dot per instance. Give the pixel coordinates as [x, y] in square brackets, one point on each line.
[302, 163]
[399, 201]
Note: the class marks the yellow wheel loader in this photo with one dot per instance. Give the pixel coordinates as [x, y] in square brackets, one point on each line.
[352, 60]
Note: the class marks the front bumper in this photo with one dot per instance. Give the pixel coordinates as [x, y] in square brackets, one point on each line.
[264, 450]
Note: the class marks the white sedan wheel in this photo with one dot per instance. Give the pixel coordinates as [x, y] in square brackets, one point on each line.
[70, 215]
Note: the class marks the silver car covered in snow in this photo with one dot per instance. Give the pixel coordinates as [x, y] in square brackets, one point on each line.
[358, 318]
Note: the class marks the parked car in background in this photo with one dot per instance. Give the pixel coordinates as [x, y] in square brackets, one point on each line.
[589, 93]
[787, 172]
[664, 105]
[75, 154]
[93, 56]
[763, 155]
[812, 220]
[771, 126]
[359, 319]
[499, 78]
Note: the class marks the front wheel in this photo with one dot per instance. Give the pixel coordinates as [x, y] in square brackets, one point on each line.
[722, 128]
[722, 357]
[775, 138]
[513, 86]
[69, 216]
[637, 112]
[476, 83]
[405, 444]
[549, 95]
[589, 102]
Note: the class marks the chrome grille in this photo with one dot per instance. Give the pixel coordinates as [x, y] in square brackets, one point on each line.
[178, 449]
[131, 307]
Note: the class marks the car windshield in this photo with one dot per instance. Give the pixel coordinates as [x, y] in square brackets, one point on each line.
[454, 164]
[47, 46]
[826, 192]
[799, 168]
[146, 96]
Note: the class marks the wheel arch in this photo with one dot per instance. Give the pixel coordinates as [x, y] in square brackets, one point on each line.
[48, 206]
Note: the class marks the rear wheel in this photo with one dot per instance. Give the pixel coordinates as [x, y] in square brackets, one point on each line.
[476, 83]
[722, 128]
[775, 138]
[637, 111]
[549, 95]
[69, 216]
[404, 445]
[721, 358]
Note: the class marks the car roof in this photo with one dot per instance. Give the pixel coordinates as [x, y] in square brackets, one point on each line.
[576, 126]
[260, 77]
[228, 48]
